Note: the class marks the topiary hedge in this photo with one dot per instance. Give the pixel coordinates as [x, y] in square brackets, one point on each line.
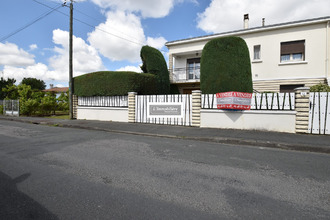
[226, 66]
[154, 63]
[108, 83]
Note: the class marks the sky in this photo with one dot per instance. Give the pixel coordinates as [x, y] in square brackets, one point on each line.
[109, 34]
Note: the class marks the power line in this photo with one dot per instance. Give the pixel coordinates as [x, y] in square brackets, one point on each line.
[29, 24]
[93, 26]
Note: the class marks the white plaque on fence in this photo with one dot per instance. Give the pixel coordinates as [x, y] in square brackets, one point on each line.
[165, 110]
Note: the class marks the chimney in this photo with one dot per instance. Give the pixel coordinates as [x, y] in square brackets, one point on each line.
[246, 21]
[263, 22]
[51, 86]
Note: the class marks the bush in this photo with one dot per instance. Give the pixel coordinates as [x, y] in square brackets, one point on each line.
[1, 109]
[154, 63]
[320, 88]
[28, 106]
[48, 104]
[226, 66]
[63, 102]
[107, 83]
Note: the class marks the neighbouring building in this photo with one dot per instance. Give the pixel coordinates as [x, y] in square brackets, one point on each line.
[283, 56]
[56, 90]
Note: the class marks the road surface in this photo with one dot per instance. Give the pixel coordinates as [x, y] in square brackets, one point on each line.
[61, 173]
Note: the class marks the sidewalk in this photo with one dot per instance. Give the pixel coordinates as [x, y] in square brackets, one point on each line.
[300, 142]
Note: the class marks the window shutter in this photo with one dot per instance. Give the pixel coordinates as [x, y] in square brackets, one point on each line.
[293, 47]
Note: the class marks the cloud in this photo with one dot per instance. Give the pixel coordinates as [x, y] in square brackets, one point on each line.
[147, 8]
[33, 47]
[227, 15]
[121, 37]
[11, 55]
[131, 68]
[85, 59]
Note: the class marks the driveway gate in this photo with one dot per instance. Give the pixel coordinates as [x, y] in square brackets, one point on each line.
[11, 107]
[319, 113]
[164, 109]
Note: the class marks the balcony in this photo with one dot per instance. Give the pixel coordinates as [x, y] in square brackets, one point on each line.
[181, 75]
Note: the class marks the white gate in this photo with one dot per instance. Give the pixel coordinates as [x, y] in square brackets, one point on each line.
[163, 109]
[319, 113]
[11, 107]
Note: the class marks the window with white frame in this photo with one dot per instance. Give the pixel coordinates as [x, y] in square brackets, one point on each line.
[193, 68]
[293, 51]
[257, 52]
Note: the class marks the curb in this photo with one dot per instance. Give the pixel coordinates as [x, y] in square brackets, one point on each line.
[219, 140]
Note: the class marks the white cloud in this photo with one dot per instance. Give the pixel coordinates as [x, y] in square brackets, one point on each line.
[11, 55]
[22, 64]
[147, 8]
[131, 68]
[33, 47]
[227, 15]
[85, 57]
[158, 42]
[121, 37]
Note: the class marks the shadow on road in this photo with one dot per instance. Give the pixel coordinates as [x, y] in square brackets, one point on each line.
[15, 204]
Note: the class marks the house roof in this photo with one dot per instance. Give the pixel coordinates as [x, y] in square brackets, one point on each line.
[251, 30]
[57, 89]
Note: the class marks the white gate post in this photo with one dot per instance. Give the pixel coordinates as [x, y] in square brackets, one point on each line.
[131, 107]
[302, 109]
[196, 108]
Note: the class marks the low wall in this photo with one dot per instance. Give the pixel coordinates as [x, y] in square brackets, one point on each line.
[102, 113]
[279, 121]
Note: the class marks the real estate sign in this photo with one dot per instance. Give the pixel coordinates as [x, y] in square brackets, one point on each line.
[165, 110]
[234, 100]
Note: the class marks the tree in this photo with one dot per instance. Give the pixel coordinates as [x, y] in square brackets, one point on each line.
[36, 84]
[3, 84]
[226, 66]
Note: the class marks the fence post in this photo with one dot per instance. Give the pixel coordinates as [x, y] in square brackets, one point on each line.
[131, 107]
[302, 109]
[196, 108]
[74, 106]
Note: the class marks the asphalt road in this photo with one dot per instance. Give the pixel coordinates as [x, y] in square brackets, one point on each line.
[61, 173]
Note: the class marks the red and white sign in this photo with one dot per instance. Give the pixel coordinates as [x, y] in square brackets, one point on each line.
[234, 100]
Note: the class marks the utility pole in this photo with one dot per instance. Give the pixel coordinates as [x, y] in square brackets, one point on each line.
[71, 89]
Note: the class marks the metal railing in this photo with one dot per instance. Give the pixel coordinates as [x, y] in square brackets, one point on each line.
[185, 74]
[103, 101]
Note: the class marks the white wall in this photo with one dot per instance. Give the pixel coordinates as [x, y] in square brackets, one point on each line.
[279, 121]
[102, 113]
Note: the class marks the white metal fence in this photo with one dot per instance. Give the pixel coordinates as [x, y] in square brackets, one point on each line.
[163, 109]
[260, 101]
[319, 113]
[11, 107]
[103, 101]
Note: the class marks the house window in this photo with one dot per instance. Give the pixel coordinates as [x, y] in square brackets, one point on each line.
[193, 68]
[293, 51]
[257, 52]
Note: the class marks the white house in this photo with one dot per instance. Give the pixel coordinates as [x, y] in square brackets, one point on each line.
[283, 56]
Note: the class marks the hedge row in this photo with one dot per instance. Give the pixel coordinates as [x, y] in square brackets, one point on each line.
[112, 83]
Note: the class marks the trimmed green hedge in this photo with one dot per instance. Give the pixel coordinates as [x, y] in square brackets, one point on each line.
[226, 66]
[154, 63]
[108, 83]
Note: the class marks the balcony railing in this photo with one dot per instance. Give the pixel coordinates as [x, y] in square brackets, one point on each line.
[186, 74]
